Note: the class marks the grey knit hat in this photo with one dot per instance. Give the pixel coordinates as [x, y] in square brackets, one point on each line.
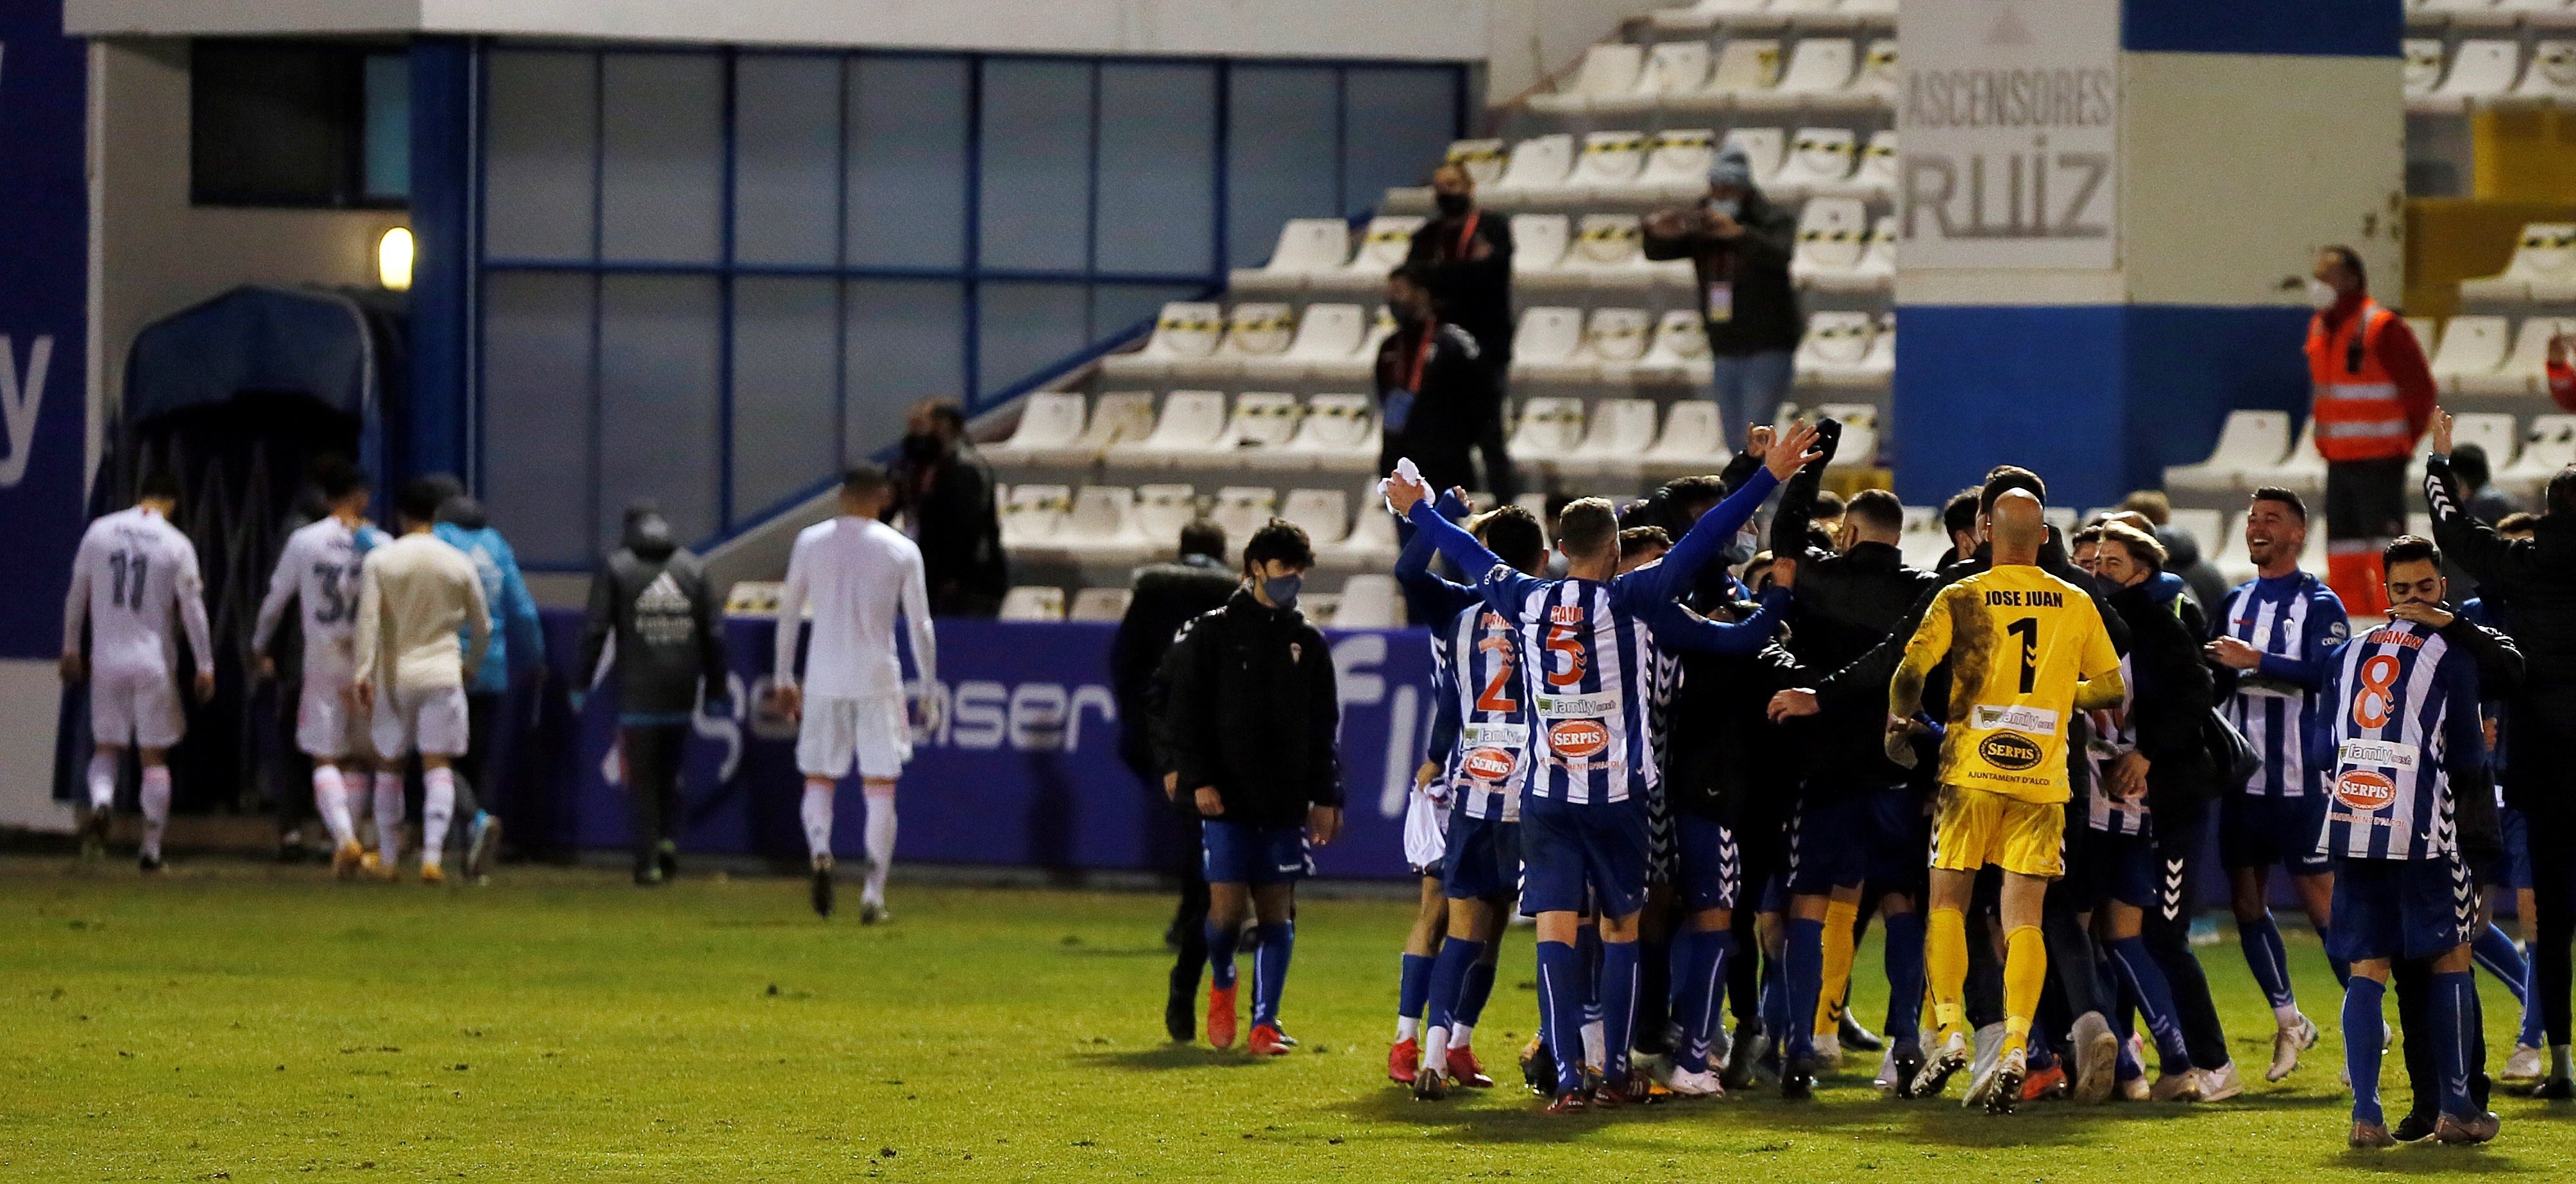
[1732, 167]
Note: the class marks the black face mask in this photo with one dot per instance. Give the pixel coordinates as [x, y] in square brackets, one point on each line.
[1452, 204]
[921, 448]
[1407, 317]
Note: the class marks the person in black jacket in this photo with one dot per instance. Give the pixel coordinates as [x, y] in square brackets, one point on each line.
[2535, 579]
[652, 597]
[1247, 723]
[1860, 819]
[1167, 596]
[1464, 257]
[1739, 246]
[1432, 384]
[943, 499]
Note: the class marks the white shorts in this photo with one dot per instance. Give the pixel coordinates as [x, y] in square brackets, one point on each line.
[135, 709]
[430, 722]
[873, 730]
[327, 722]
[1426, 834]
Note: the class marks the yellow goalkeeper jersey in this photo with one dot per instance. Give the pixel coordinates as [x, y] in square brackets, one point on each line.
[2021, 644]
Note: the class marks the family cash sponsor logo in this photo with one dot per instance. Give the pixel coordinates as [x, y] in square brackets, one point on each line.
[2363, 789]
[1487, 764]
[1578, 738]
[2009, 750]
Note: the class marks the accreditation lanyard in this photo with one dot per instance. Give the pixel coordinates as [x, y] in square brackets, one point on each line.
[1421, 356]
[1467, 232]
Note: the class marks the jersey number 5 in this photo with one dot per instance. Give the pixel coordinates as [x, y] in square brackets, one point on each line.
[1564, 640]
[2027, 629]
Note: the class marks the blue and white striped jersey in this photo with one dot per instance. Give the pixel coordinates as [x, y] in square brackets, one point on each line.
[1587, 653]
[2405, 717]
[2294, 619]
[1484, 708]
[2112, 735]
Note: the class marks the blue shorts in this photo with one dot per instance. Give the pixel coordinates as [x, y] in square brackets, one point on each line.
[1483, 860]
[1567, 849]
[1841, 838]
[2124, 868]
[1712, 868]
[2517, 847]
[1241, 853]
[2262, 831]
[2401, 908]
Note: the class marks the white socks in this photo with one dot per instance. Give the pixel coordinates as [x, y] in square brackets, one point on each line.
[1435, 1050]
[389, 817]
[880, 840]
[331, 800]
[437, 806]
[156, 808]
[1459, 1034]
[102, 781]
[1406, 1028]
[817, 813]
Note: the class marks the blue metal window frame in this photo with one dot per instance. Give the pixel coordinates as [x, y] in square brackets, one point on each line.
[971, 275]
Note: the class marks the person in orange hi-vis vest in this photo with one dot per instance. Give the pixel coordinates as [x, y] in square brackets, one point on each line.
[2372, 399]
[2562, 374]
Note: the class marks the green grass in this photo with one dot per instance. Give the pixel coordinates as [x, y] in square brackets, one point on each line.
[242, 1022]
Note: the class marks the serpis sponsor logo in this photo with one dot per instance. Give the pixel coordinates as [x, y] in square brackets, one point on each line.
[2009, 750]
[1576, 738]
[1486, 764]
[2362, 789]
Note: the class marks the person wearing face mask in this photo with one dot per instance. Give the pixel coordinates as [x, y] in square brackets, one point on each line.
[1434, 390]
[2372, 397]
[1739, 245]
[1464, 257]
[1248, 729]
[943, 500]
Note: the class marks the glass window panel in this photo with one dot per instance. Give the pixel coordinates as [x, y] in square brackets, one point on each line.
[540, 154]
[1036, 165]
[662, 158]
[905, 342]
[1400, 119]
[387, 152]
[659, 430]
[1023, 328]
[536, 400]
[786, 429]
[1157, 207]
[907, 154]
[1280, 153]
[787, 137]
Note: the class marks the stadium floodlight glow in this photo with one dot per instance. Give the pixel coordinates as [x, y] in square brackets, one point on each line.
[393, 259]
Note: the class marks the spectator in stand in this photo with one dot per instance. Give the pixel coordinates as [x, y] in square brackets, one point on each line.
[1169, 595]
[2562, 370]
[2373, 395]
[1432, 385]
[943, 500]
[2482, 500]
[1465, 258]
[1739, 245]
[2182, 552]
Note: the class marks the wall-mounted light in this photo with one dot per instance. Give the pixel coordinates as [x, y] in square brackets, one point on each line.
[393, 259]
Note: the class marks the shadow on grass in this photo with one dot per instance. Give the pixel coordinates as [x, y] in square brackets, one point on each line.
[1167, 1057]
[2434, 1159]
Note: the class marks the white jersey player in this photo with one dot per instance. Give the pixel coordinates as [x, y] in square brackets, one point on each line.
[132, 574]
[319, 569]
[855, 573]
[414, 596]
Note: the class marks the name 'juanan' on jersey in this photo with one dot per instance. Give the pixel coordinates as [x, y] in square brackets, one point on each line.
[2405, 705]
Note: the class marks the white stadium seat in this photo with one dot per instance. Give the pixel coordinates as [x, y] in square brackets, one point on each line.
[2465, 14]
[1922, 540]
[2202, 525]
[1483, 159]
[1252, 329]
[1764, 149]
[1621, 433]
[2426, 330]
[1607, 167]
[1677, 161]
[1672, 68]
[1609, 252]
[1100, 526]
[2229, 558]
[1616, 340]
[1262, 422]
[1539, 243]
[1807, 14]
[1319, 608]
[2303, 469]
[1369, 602]
[1536, 173]
[1878, 367]
[1386, 242]
[1833, 234]
[1117, 417]
[1360, 367]
[1324, 514]
[1337, 435]
[2471, 347]
[2250, 443]
[1240, 510]
[1033, 602]
[1371, 542]
[1608, 71]
[1308, 248]
[1819, 68]
[1872, 12]
[1693, 441]
[2481, 72]
[1747, 69]
[1549, 430]
[1191, 422]
[1101, 604]
[1876, 269]
[1817, 156]
[2547, 446]
[1548, 346]
[1160, 513]
[2544, 15]
[1186, 330]
[1859, 446]
[2423, 69]
[1327, 333]
[2551, 77]
[1874, 84]
[2494, 433]
[1031, 514]
[2526, 369]
[1705, 15]
[1050, 422]
[1679, 352]
[1874, 180]
[2542, 267]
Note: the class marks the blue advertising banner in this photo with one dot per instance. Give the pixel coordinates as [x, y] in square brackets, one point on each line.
[1023, 769]
[44, 284]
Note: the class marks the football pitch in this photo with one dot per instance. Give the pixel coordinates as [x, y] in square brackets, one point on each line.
[248, 1022]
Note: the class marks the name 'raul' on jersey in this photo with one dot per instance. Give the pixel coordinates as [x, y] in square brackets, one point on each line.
[2405, 720]
[2026, 651]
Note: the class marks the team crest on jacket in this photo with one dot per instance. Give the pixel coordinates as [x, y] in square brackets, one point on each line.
[2363, 789]
[2009, 750]
[1578, 738]
[1296, 651]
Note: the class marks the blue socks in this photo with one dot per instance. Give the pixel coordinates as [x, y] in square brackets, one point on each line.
[1448, 979]
[1587, 942]
[2496, 952]
[2534, 1029]
[1561, 979]
[2362, 1032]
[2269, 962]
[1904, 977]
[1804, 977]
[1270, 969]
[1699, 967]
[2146, 984]
[1775, 1002]
[1477, 987]
[2455, 1018]
[1618, 1008]
[1221, 940]
[1413, 991]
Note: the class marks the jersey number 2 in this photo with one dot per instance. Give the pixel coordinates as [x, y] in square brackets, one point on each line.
[2027, 629]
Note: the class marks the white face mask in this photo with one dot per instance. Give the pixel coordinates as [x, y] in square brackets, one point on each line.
[2321, 295]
